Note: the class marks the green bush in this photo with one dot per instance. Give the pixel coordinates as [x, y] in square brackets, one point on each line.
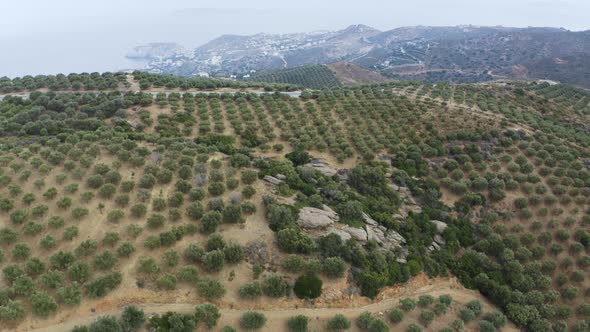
[396, 315]
[216, 188]
[408, 304]
[274, 286]
[210, 289]
[339, 323]
[308, 286]
[173, 321]
[334, 267]
[252, 320]
[167, 282]
[298, 323]
[234, 253]
[426, 317]
[43, 304]
[207, 314]
[425, 300]
[232, 213]
[105, 324]
[132, 318]
[250, 291]
[292, 240]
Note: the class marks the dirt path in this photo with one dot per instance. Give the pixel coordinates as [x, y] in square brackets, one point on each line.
[278, 313]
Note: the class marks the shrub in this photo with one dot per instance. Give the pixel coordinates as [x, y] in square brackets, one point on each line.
[334, 267]
[214, 260]
[195, 210]
[101, 286]
[364, 320]
[43, 304]
[467, 314]
[274, 286]
[248, 191]
[107, 190]
[426, 317]
[148, 266]
[476, 306]
[339, 323]
[167, 281]
[294, 263]
[105, 260]
[115, 215]
[173, 321]
[445, 299]
[396, 315]
[216, 188]
[188, 274]
[21, 251]
[210, 289]
[496, 318]
[34, 266]
[234, 253]
[138, 210]
[79, 272]
[70, 295]
[61, 260]
[232, 213]
[250, 291]
[425, 300]
[210, 221]
[407, 304]
[413, 328]
[208, 314]
[249, 176]
[105, 324]
[11, 311]
[298, 323]
[252, 320]
[156, 221]
[292, 240]
[485, 326]
[132, 318]
[308, 287]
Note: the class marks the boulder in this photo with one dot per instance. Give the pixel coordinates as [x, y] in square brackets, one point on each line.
[312, 218]
[358, 234]
[375, 234]
[345, 236]
[440, 226]
[439, 239]
[369, 221]
[272, 180]
[393, 239]
[281, 177]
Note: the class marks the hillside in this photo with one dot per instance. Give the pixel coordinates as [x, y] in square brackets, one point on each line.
[453, 54]
[351, 74]
[401, 205]
[311, 76]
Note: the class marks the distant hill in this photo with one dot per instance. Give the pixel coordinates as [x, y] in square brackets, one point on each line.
[454, 54]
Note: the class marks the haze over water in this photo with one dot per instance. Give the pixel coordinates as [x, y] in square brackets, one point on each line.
[63, 36]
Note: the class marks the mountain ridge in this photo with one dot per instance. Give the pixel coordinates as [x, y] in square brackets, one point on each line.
[463, 53]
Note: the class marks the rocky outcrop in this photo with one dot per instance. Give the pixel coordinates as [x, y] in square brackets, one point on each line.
[272, 180]
[358, 234]
[440, 226]
[312, 218]
[322, 166]
[438, 240]
[408, 202]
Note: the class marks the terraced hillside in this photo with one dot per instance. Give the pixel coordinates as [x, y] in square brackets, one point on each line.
[310, 76]
[401, 206]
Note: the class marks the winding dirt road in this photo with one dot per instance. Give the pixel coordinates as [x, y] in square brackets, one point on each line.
[278, 313]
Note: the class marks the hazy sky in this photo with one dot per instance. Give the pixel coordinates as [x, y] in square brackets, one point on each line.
[51, 36]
